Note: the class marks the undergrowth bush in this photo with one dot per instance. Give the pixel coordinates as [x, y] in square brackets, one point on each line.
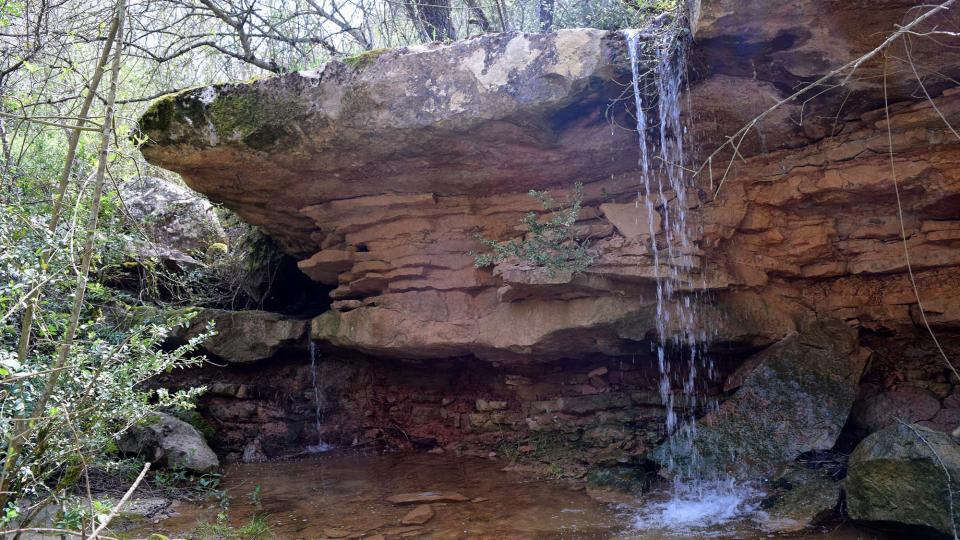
[553, 243]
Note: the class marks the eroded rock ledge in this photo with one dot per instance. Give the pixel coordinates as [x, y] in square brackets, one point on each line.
[379, 176]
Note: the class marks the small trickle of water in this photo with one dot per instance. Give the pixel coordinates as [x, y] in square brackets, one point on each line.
[320, 446]
[699, 496]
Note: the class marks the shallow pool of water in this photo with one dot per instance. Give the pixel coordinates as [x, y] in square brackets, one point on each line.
[343, 494]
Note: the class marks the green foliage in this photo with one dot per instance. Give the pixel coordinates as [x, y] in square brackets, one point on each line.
[76, 512]
[255, 497]
[180, 483]
[256, 528]
[609, 15]
[553, 243]
[100, 389]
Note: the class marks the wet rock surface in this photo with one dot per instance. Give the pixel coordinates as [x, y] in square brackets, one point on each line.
[795, 400]
[804, 497]
[900, 474]
[566, 413]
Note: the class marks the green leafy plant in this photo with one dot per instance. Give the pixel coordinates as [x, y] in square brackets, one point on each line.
[256, 528]
[553, 243]
[255, 496]
[180, 483]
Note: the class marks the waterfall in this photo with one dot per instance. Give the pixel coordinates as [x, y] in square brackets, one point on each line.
[699, 496]
[319, 446]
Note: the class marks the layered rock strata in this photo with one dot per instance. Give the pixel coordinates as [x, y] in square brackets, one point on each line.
[604, 411]
[380, 178]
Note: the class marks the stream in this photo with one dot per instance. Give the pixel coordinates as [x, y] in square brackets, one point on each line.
[342, 494]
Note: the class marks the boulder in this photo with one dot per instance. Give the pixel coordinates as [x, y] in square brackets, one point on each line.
[948, 418]
[248, 336]
[170, 215]
[907, 403]
[795, 400]
[900, 474]
[169, 441]
[804, 497]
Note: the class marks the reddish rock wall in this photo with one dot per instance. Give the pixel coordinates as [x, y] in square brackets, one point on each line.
[604, 410]
[379, 179]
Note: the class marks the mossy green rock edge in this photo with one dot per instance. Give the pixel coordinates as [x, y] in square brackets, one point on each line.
[899, 474]
[250, 114]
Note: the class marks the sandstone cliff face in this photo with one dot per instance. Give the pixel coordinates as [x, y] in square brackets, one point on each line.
[379, 176]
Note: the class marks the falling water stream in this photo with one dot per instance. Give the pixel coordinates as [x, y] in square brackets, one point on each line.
[699, 496]
[319, 446]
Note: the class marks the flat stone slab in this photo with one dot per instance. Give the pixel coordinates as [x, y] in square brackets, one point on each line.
[419, 515]
[426, 497]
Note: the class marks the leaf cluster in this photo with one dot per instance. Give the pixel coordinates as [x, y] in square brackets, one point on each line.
[553, 243]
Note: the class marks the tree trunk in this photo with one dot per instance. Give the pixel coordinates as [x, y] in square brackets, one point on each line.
[21, 426]
[477, 16]
[434, 19]
[545, 14]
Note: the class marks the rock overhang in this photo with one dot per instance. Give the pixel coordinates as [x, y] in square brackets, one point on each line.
[498, 113]
[379, 172]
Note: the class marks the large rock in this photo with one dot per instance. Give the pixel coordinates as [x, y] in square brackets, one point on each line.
[751, 50]
[905, 403]
[169, 441]
[247, 336]
[795, 400]
[379, 177]
[510, 98]
[900, 474]
[171, 216]
[802, 498]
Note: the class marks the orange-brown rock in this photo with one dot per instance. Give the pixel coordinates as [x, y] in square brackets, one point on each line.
[380, 179]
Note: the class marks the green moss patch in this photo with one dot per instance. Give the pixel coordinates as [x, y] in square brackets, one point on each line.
[237, 112]
[364, 59]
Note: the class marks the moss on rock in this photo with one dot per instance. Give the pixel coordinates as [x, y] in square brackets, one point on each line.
[901, 474]
[365, 58]
[235, 112]
[797, 399]
[161, 116]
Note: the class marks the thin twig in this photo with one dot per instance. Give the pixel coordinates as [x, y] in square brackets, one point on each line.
[852, 66]
[116, 509]
[946, 472]
[903, 230]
